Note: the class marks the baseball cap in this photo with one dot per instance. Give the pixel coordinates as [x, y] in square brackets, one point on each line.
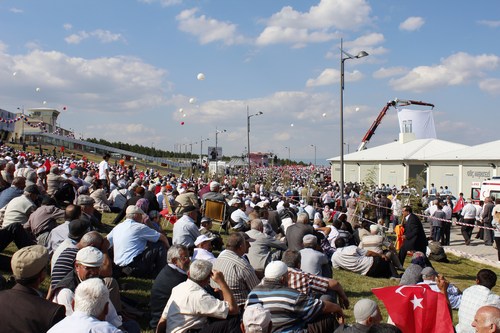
[202, 238]
[29, 261]
[429, 271]
[85, 200]
[89, 256]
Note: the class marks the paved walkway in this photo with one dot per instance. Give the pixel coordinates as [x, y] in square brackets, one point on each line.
[476, 251]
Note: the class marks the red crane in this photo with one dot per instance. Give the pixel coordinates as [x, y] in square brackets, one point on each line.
[395, 103]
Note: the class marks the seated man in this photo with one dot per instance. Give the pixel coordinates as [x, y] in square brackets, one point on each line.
[380, 244]
[296, 311]
[170, 276]
[43, 220]
[256, 319]
[23, 310]
[191, 307]
[476, 296]
[239, 218]
[138, 250]
[430, 278]
[203, 249]
[487, 319]
[310, 284]
[90, 309]
[364, 262]
[185, 230]
[313, 261]
[366, 313]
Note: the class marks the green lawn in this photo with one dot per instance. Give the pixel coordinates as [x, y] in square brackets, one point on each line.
[459, 271]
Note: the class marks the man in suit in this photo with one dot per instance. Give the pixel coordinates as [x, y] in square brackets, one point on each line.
[414, 235]
[23, 310]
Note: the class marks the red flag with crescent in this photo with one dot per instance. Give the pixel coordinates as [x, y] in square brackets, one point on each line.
[416, 308]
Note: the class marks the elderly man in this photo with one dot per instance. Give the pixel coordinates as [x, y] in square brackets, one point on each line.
[375, 242]
[88, 264]
[366, 314]
[313, 261]
[256, 319]
[261, 252]
[185, 230]
[185, 199]
[191, 307]
[487, 320]
[174, 273]
[469, 214]
[60, 233]
[238, 272]
[297, 311]
[213, 194]
[56, 184]
[138, 250]
[19, 209]
[43, 220]
[475, 297]
[431, 278]
[487, 218]
[14, 191]
[90, 214]
[296, 232]
[23, 310]
[90, 310]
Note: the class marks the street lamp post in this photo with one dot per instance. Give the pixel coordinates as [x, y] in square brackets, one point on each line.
[248, 138]
[343, 57]
[201, 148]
[314, 154]
[288, 153]
[217, 132]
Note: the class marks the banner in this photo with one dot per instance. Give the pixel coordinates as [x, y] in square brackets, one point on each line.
[420, 122]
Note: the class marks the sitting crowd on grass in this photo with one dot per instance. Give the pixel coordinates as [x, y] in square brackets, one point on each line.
[271, 273]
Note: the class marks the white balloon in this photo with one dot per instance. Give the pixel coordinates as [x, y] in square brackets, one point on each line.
[291, 125]
[324, 114]
[181, 110]
[44, 102]
[37, 89]
[357, 109]
[192, 100]
[201, 76]
[183, 115]
[14, 74]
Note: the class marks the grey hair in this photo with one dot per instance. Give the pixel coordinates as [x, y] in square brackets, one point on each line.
[92, 238]
[174, 252]
[130, 216]
[200, 270]
[91, 296]
[256, 224]
[303, 218]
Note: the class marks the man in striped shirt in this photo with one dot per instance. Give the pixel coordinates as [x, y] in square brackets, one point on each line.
[291, 310]
[239, 274]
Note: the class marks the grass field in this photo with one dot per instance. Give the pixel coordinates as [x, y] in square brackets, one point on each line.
[459, 271]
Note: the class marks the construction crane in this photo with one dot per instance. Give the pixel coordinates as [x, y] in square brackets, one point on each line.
[395, 103]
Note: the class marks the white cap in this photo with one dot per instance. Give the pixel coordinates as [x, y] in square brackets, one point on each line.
[202, 238]
[90, 256]
[275, 270]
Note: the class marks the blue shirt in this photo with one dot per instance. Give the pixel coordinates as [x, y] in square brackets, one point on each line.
[129, 239]
[8, 194]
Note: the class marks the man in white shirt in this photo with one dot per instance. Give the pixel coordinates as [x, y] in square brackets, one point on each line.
[190, 306]
[239, 217]
[203, 249]
[91, 303]
[104, 171]
[469, 219]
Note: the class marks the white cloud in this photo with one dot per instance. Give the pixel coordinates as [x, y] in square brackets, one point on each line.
[316, 25]
[491, 86]
[104, 36]
[412, 23]
[491, 24]
[383, 72]
[163, 3]
[331, 76]
[16, 10]
[208, 30]
[459, 68]
[67, 26]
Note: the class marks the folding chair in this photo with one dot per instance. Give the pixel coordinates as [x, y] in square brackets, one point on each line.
[216, 210]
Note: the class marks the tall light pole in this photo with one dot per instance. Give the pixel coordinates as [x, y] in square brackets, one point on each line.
[22, 125]
[248, 138]
[314, 154]
[217, 132]
[288, 153]
[201, 148]
[343, 57]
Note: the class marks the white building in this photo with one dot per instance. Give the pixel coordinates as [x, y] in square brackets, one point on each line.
[443, 163]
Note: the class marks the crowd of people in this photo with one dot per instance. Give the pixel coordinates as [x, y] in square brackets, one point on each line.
[288, 230]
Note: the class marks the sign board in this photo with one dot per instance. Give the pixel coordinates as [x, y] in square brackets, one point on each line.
[214, 154]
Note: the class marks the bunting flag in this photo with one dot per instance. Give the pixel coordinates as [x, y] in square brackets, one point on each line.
[416, 308]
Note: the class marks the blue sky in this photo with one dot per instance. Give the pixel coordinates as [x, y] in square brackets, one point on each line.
[123, 69]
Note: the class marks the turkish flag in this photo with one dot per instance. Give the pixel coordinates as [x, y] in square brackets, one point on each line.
[47, 165]
[416, 308]
[460, 204]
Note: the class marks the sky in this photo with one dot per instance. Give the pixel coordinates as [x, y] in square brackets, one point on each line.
[129, 70]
